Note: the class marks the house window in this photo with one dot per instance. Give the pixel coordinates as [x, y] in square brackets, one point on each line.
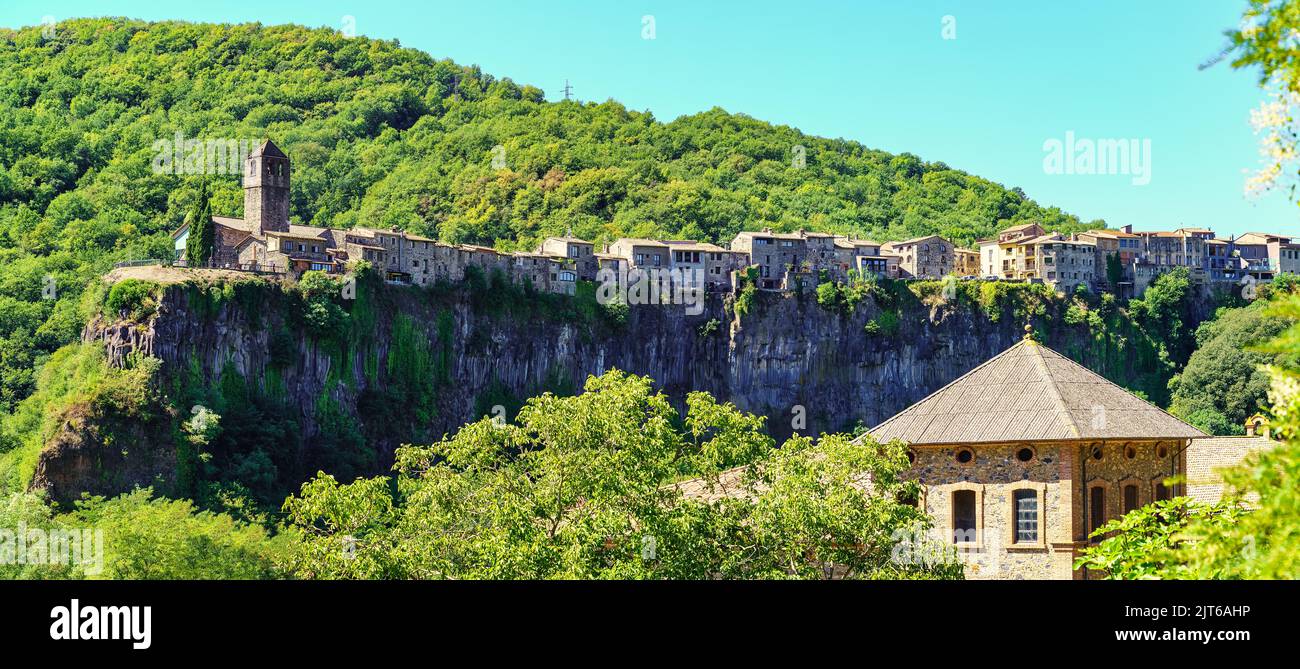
[1097, 507]
[1025, 503]
[300, 247]
[1130, 498]
[1162, 491]
[567, 276]
[1025, 454]
[965, 456]
[963, 516]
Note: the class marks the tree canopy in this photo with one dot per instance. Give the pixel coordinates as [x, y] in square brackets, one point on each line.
[1225, 382]
[592, 486]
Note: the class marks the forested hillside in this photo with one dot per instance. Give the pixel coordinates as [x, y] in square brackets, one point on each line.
[386, 136]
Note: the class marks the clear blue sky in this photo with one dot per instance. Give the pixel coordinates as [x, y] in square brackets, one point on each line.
[877, 71]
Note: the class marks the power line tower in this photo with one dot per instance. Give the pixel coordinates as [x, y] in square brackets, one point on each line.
[568, 90]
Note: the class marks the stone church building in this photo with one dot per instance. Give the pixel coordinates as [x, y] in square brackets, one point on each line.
[1023, 456]
[265, 241]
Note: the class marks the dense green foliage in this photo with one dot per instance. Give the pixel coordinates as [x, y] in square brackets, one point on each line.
[76, 382]
[586, 487]
[145, 537]
[1224, 382]
[132, 298]
[1146, 543]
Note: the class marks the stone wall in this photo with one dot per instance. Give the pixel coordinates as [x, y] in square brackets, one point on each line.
[1059, 472]
[994, 474]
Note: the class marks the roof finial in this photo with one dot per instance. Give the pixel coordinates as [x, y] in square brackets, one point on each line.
[1029, 331]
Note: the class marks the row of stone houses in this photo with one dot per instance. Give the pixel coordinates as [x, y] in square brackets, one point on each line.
[1028, 252]
[265, 240]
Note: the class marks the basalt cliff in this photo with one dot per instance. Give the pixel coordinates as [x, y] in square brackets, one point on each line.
[456, 357]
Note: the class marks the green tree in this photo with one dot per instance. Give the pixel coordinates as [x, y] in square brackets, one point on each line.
[1165, 312]
[1224, 381]
[153, 538]
[201, 241]
[613, 483]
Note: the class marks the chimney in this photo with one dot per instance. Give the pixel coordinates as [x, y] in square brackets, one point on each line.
[1128, 229]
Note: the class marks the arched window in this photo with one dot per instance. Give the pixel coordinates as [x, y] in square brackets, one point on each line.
[1096, 507]
[1130, 498]
[1025, 503]
[1162, 491]
[963, 516]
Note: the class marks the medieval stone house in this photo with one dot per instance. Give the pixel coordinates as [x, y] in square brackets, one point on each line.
[929, 257]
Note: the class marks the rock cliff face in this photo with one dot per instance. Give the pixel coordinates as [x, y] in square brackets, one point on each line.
[807, 369]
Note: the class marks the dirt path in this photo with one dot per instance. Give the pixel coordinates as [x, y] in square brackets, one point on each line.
[168, 274]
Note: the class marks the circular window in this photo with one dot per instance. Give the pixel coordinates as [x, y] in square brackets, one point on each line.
[965, 456]
[1025, 454]
[1130, 452]
[1096, 453]
[1162, 451]
[911, 456]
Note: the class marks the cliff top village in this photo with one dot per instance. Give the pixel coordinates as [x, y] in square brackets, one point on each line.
[265, 241]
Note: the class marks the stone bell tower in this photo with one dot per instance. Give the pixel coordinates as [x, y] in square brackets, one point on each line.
[266, 190]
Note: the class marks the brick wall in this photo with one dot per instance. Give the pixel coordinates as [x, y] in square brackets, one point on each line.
[1207, 455]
